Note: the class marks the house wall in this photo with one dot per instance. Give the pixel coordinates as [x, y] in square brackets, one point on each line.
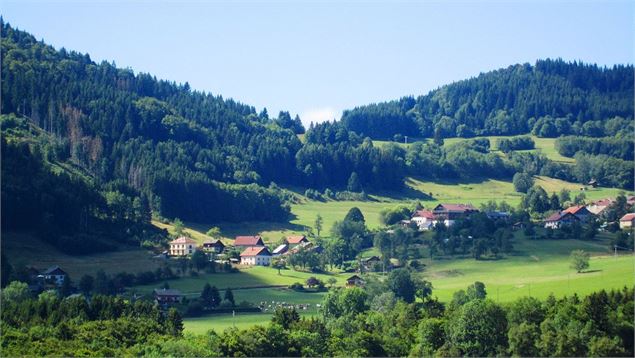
[182, 249]
[626, 224]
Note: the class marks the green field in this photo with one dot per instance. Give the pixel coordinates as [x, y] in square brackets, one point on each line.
[250, 277]
[545, 146]
[536, 268]
[220, 322]
[24, 249]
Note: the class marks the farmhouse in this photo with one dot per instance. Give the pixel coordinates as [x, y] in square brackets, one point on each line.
[248, 241]
[216, 246]
[598, 207]
[557, 220]
[423, 218]
[370, 262]
[449, 213]
[354, 281]
[167, 296]
[182, 246]
[280, 250]
[255, 256]
[294, 241]
[627, 221]
[54, 274]
[580, 211]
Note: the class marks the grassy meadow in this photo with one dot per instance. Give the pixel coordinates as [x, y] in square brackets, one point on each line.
[220, 322]
[536, 268]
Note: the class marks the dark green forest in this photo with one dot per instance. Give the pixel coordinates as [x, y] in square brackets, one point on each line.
[550, 98]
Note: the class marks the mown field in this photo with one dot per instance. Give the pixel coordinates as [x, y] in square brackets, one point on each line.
[220, 322]
[248, 277]
[536, 268]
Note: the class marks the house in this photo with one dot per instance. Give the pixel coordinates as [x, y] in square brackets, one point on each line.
[519, 225]
[424, 219]
[255, 256]
[216, 246]
[580, 211]
[354, 281]
[54, 274]
[557, 220]
[294, 241]
[248, 241]
[593, 183]
[280, 250]
[598, 207]
[449, 213]
[498, 215]
[166, 296]
[627, 221]
[370, 262]
[182, 246]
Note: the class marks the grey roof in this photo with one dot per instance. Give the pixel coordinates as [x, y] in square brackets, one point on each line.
[280, 249]
[54, 270]
[166, 292]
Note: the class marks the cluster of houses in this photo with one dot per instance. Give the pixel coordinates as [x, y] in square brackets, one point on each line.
[585, 213]
[254, 252]
[446, 214]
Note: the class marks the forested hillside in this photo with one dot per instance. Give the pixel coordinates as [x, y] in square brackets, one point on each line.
[550, 98]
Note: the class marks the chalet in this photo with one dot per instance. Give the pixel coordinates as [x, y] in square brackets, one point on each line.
[255, 256]
[55, 275]
[280, 250]
[182, 246]
[167, 296]
[369, 262]
[294, 241]
[598, 207]
[248, 241]
[593, 183]
[580, 211]
[354, 281]
[627, 221]
[215, 246]
[557, 220]
[424, 219]
[449, 213]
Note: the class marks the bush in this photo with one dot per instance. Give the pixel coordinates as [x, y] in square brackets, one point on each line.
[296, 286]
[313, 194]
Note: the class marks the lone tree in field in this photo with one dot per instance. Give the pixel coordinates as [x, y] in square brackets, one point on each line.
[579, 260]
[318, 224]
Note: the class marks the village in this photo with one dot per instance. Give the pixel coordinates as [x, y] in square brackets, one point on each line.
[252, 251]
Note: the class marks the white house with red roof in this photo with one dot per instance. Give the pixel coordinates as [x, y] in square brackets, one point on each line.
[423, 218]
[255, 256]
[249, 241]
[627, 221]
[182, 246]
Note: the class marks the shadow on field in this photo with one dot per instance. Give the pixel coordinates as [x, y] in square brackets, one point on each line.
[590, 271]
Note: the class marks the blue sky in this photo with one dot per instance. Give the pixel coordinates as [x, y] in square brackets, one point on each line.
[318, 58]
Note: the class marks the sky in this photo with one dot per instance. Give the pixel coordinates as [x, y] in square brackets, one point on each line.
[317, 58]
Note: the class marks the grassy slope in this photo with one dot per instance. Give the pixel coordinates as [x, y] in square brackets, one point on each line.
[537, 268]
[247, 277]
[25, 249]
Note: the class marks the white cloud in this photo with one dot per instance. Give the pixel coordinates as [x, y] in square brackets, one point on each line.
[319, 115]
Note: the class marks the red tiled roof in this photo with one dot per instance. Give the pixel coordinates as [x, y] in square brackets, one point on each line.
[603, 202]
[628, 217]
[256, 251]
[554, 217]
[456, 207]
[573, 209]
[183, 240]
[248, 240]
[296, 239]
[423, 214]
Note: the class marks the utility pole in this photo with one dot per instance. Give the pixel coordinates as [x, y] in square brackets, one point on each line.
[405, 139]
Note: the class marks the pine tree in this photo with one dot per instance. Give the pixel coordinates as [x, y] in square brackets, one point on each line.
[229, 296]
